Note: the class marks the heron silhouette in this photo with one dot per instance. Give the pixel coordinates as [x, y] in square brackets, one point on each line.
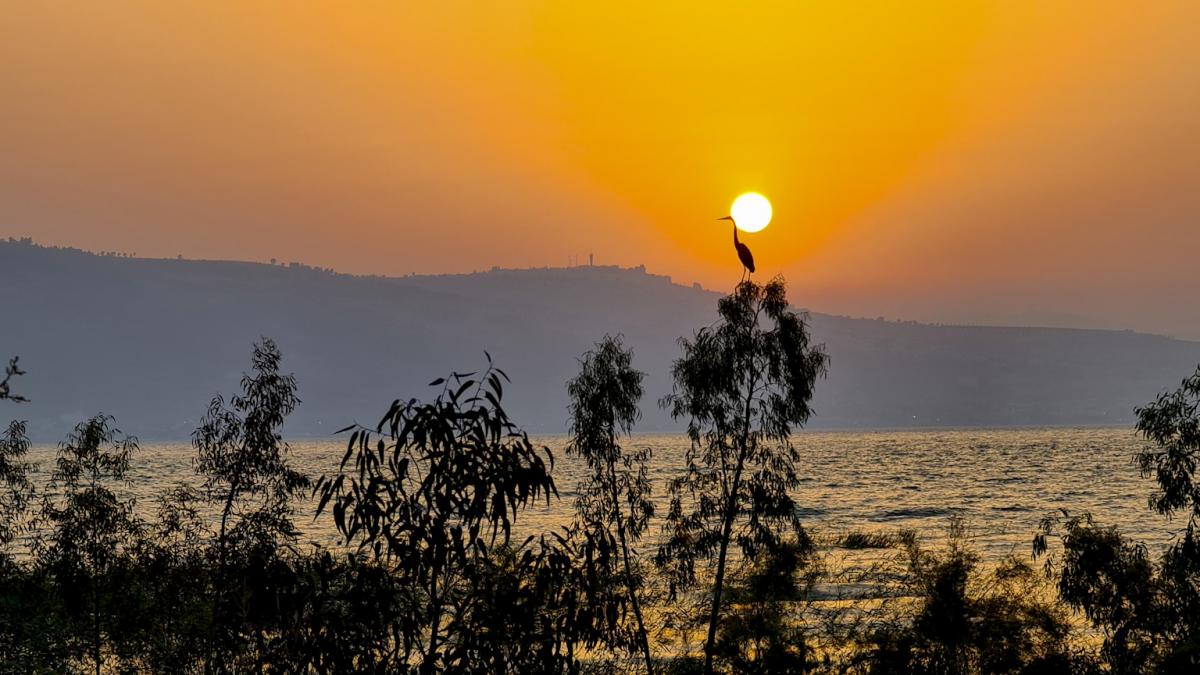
[743, 251]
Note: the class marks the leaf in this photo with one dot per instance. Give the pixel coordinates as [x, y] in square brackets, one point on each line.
[324, 500]
[438, 381]
[349, 450]
[463, 388]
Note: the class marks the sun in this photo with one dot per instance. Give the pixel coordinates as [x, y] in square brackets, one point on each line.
[751, 212]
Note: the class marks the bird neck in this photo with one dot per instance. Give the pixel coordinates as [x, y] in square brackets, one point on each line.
[735, 237]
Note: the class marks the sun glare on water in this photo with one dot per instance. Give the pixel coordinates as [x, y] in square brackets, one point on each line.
[751, 212]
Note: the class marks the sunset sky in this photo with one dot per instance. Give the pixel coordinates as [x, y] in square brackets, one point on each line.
[989, 162]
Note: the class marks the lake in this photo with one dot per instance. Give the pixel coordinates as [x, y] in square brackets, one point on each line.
[1000, 481]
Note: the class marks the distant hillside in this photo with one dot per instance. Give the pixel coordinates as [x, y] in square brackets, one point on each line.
[151, 341]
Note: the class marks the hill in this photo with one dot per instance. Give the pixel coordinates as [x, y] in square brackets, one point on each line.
[151, 341]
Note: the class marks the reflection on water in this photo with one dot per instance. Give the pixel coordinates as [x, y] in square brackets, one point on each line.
[1002, 482]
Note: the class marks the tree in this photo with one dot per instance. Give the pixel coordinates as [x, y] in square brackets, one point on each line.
[22, 598]
[1172, 424]
[431, 492]
[91, 528]
[244, 459]
[1148, 611]
[614, 504]
[1113, 581]
[744, 384]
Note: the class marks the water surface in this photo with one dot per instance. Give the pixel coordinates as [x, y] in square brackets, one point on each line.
[1001, 482]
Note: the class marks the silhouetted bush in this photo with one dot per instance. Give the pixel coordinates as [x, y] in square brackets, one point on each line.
[866, 540]
[761, 630]
[958, 619]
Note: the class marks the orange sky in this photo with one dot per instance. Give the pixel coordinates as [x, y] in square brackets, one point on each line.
[989, 162]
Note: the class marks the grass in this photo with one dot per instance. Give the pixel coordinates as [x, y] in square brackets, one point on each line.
[857, 540]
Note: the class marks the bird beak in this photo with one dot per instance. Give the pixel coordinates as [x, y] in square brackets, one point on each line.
[730, 218]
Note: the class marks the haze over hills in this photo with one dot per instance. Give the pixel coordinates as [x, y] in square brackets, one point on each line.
[151, 341]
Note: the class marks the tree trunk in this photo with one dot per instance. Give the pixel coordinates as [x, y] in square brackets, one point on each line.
[727, 527]
[233, 486]
[633, 597]
[429, 663]
[719, 583]
[96, 626]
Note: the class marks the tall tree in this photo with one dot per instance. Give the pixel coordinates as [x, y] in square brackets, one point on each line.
[244, 459]
[614, 504]
[744, 385]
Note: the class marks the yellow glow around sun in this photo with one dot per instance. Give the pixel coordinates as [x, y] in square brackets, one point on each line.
[751, 212]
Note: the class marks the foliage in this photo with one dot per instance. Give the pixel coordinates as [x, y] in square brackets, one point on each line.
[743, 385]
[91, 533]
[536, 611]
[865, 540]
[966, 620]
[20, 596]
[332, 614]
[760, 632]
[243, 458]
[16, 490]
[1148, 611]
[430, 494]
[1172, 424]
[167, 587]
[613, 507]
[1113, 582]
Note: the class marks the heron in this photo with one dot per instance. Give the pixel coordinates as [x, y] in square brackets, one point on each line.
[743, 251]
